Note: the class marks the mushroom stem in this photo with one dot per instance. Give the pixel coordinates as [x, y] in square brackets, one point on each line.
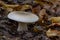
[22, 27]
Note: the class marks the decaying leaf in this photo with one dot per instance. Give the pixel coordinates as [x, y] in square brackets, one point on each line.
[58, 11]
[43, 15]
[54, 19]
[57, 24]
[8, 5]
[42, 1]
[24, 7]
[39, 2]
[1, 2]
[53, 1]
[15, 7]
[36, 9]
[37, 28]
[9, 9]
[18, 8]
[11, 6]
[51, 33]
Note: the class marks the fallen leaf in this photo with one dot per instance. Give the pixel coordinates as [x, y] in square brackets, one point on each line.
[36, 9]
[43, 16]
[24, 7]
[51, 33]
[18, 8]
[54, 19]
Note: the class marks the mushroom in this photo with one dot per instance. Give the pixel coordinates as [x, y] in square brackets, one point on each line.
[23, 18]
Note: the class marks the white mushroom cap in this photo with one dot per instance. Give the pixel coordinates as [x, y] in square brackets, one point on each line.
[22, 16]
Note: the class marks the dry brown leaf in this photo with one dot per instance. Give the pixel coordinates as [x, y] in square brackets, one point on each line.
[54, 19]
[35, 30]
[24, 7]
[11, 6]
[39, 2]
[2, 3]
[53, 25]
[8, 5]
[9, 9]
[36, 9]
[51, 33]
[43, 15]
[18, 8]
[53, 1]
